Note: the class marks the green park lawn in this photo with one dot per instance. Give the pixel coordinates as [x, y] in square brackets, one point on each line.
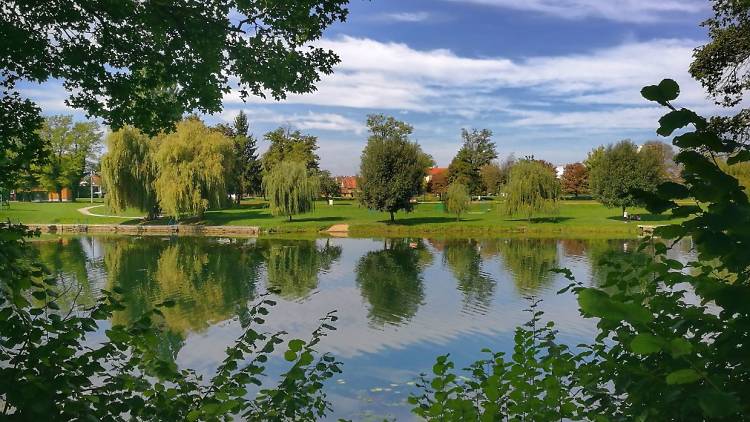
[575, 217]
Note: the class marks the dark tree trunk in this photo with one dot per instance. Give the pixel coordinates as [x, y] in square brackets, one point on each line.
[393, 217]
[59, 195]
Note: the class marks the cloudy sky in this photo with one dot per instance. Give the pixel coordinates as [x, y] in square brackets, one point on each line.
[552, 78]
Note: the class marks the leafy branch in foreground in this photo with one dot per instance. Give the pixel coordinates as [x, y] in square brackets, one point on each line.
[49, 369]
[672, 337]
[537, 383]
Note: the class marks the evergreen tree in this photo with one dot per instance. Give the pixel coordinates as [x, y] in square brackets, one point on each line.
[393, 168]
[290, 188]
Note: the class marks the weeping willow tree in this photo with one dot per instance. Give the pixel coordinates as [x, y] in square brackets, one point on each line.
[532, 188]
[457, 199]
[128, 172]
[195, 167]
[291, 190]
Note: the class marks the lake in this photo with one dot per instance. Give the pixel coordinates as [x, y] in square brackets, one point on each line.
[400, 302]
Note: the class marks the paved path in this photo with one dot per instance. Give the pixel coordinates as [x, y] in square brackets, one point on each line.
[87, 211]
[338, 228]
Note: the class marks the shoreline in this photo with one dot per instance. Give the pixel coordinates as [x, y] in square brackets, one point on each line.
[355, 231]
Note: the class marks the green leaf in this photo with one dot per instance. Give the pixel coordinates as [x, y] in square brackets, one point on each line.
[717, 404]
[290, 355]
[296, 345]
[680, 347]
[676, 119]
[666, 91]
[683, 376]
[644, 344]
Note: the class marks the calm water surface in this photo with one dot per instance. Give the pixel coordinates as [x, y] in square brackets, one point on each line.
[400, 302]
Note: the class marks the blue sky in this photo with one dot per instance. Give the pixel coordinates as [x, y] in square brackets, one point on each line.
[552, 78]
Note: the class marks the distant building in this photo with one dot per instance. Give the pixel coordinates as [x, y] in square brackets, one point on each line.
[348, 185]
[559, 170]
[431, 173]
[84, 189]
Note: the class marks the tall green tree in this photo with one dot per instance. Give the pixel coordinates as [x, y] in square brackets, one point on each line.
[532, 188]
[70, 146]
[393, 168]
[329, 187]
[288, 145]
[623, 172]
[477, 151]
[457, 200]
[129, 172]
[194, 168]
[291, 189]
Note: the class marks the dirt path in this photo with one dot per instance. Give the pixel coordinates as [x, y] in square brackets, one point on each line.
[87, 211]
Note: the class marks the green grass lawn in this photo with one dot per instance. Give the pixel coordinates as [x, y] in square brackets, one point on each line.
[575, 217]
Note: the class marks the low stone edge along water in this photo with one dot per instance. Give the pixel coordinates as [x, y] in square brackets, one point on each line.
[337, 230]
[146, 229]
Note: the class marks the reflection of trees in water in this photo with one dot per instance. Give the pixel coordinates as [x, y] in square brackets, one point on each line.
[293, 265]
[573, 247]
[529, 261]
[391, 280]
[463, 259]
[209, 282]
[66, 260]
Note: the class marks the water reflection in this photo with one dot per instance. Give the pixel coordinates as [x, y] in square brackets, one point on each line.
[293, 265]
[208, 282]
[462, 257]
[391, 280]
[529, 261]
[67, 261]
[400, 301]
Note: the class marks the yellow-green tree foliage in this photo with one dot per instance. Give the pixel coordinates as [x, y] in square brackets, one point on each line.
[532, 188]
[128, 171]
[290, 189]
[457, 199]
[195, 166]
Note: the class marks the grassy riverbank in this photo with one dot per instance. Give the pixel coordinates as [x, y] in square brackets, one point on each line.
[575, 217]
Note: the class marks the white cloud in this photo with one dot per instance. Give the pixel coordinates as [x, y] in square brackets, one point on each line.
[304, 121]
[410, 17]
[634, 11]
[394, 76]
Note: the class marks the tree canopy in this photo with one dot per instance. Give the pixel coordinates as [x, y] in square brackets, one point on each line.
[129, 171]
[532, 188]
[575, 179]
[288, 145]
[290, 188]
[70, 145]
[477, 150]
[329, 187]
[622, 172]
[194, 166]
[393, 168]
[179, 57]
